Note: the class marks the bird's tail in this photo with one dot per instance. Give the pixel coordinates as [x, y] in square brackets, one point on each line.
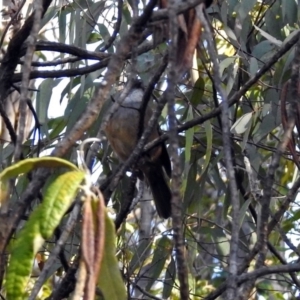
[160, 189]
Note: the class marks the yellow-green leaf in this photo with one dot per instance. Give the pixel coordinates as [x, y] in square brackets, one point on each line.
[58, 198]
[27, 244]
[40, 226]
[28, 165]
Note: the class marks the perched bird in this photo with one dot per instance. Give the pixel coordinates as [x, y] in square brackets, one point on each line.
[122, 132]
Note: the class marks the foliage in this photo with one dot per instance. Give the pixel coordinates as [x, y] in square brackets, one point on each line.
[231, 126]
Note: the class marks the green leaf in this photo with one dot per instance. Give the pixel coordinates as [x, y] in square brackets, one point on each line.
[268, 124]
[270, 38]
[262, 48]
[104, 32]
[189, 137]
[56, 126]
[198, 91]
[75, 109]
[62, 21]
[241, 124]
[245, 7]
[110, 280]
[243, 211]
[191, 187]
[222, 242]
[169, 279]
[289, 11]
[161, 254]
[95, 12]
[224, 64]
[140, 254]
[43, 98]
[273, 21]
[231, 78]
[253, 66]
[80, 100]
[49, 15]
[68, 88]
[209, 135]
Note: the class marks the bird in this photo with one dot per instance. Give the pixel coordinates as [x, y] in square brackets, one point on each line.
[122, 132]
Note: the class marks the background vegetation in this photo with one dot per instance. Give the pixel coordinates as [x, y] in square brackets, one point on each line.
[231, 124]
